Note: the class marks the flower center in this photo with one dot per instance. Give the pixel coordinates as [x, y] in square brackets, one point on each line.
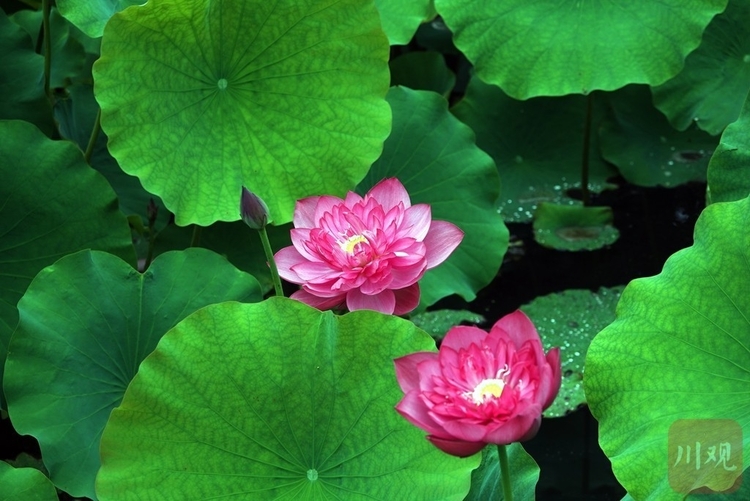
[490, 388]
[350, 243]
[487, 390]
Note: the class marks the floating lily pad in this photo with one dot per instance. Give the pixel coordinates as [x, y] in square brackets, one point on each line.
[710, 90]
[678, 349]
[729, 168]
[437, 323]
[486, 481]
[536, 144]
[552, 48]
[86, 323]
[570, 320]
[90, 16]
[401, 18]
[275, 400]
[436, 159]
[24, 484]
[574, 228]
[423, 71]
[53, 204]
[22, 89]
[197, 104]
[646, 149]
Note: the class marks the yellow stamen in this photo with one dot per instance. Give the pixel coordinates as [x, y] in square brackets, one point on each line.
[350, 243]
[487, 389]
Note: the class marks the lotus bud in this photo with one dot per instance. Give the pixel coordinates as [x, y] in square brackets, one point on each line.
[253, 210]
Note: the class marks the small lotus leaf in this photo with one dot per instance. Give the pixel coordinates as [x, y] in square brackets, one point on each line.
[437, 323]
[569, 320]
[24, 484]
[574, 228]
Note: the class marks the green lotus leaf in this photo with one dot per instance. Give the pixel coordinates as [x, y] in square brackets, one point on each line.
[648, 151]
[401, 18]
[486, 481]
[22, 89]
[536, 144]
[423, 71]
[53, 204]
[574, 228]
[677, 350]
[436, 159]
[199, 98]
[90, 16]
[24, 484]
[283, 402]
[437, 323]
[235, 241]
[436, 36]
[76, 115]
[710, 90]
[550, 48]
[569, 320]
[729, 168]
[67, 54]
[86, 323]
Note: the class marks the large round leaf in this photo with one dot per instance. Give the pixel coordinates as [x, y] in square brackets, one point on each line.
[678, 349]
[24, 484]
[553, 48]
[199, 98]
[729, 168]
[90, 16]
[86, 323]
[53, 204]
[21, 88]
[711, 88]
[275, 400]
[646, 149]
[435, 157]
[536, 144]
[401, 18]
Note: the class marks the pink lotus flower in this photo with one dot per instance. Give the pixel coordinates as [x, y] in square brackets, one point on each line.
[480, 388]
[367, 253]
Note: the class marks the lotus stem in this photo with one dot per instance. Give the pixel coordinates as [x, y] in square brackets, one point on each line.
[586, 150]
[94, 136]
[271, 262]
[46, 9]
[502, 455]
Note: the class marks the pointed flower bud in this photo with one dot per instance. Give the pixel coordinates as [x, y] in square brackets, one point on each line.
[253, 210]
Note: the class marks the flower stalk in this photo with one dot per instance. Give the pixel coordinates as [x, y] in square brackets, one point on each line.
[502, 454]
[254, 212]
